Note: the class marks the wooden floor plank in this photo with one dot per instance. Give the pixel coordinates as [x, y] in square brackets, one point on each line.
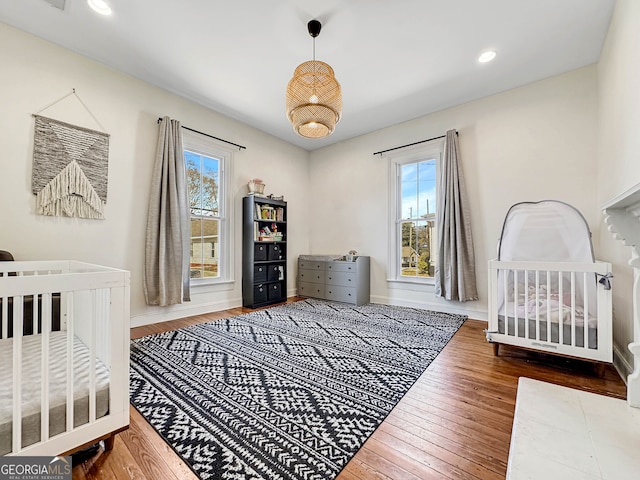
[442, 459]
[393, 464]
[118, 464]
[475, 452]
[149, 459]
[363, 471]
[155, 442]
[454, 423]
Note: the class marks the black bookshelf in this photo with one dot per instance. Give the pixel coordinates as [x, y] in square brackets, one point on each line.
[264, 251]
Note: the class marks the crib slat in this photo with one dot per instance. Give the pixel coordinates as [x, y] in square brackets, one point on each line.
[505, 278]
[515, 301]
[17, 373]
[92, 357]
[526, 304]
[493, 274]
[69, 371]
[538, 305]
[5, 317]
[44, 366]
[561, 303]
[103, 330]
[34, 317]
[548, 306]
[585, 322]
[573, 309]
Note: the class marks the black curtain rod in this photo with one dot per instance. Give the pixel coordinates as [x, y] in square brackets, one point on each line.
[210, 136]
[410, 144]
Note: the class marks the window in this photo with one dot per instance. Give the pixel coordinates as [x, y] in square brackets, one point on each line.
[413, 184]
[208, 165]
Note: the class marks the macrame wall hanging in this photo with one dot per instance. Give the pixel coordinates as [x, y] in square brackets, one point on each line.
[70, 167]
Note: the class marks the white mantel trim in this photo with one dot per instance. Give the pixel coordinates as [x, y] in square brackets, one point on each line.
[622, 215]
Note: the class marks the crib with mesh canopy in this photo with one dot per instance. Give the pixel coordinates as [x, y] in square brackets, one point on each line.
[64, 354]
[546, 291]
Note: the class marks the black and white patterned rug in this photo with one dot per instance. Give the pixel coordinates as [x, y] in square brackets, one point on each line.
[291, 392]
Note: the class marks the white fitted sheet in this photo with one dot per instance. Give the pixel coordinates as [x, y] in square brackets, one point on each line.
[32, 384]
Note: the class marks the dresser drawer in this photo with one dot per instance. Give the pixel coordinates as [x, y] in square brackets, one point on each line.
[313, 276]
[341, 267]
[306, 289]
[344, 279]
[310, 265]
[340, 294]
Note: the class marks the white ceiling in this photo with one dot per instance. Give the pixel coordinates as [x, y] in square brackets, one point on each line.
[396, 60]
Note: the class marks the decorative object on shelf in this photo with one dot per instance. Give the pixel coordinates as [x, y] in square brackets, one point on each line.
[350, 257]
[70, 167]
[256, 186]
[314, 97]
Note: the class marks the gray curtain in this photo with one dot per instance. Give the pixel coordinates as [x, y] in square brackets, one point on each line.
[455, 269]
[166, 272]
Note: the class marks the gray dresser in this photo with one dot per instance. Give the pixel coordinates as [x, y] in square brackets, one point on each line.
[329, 278]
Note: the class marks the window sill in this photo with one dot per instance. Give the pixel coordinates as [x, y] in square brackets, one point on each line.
[426, 285]
[212, 285]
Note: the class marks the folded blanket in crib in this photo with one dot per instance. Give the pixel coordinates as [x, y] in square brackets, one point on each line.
[554, 310]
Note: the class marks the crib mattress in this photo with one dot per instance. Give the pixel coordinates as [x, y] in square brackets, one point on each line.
[592, 334]
[31, 387]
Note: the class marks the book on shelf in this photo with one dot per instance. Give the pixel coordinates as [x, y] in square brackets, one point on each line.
[267, 212]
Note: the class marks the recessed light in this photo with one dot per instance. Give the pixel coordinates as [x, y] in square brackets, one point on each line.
[100, 6]
[487, 56]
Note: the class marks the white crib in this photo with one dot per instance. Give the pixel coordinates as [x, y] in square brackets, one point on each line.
[64, 352]
[557, 307]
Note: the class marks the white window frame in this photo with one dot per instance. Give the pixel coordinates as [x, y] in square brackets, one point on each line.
[209, 147]
[396, 159]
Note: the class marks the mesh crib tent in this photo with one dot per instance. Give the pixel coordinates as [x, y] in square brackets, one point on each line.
[546, 291]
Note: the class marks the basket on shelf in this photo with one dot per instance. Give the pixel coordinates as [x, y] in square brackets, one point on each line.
[256, 186]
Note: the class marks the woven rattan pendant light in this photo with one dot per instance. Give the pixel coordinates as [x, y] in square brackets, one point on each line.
[314, 97]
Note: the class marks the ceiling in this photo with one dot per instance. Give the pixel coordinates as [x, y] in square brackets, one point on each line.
[396, 60]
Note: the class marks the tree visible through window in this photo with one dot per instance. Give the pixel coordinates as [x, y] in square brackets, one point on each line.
[203, 181]
[417, 218]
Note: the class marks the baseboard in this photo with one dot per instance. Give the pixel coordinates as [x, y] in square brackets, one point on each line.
[438, 307]
[173, 313]
[183, 311]
[621, 364]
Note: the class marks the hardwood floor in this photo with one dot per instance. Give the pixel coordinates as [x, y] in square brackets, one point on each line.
[454, 423]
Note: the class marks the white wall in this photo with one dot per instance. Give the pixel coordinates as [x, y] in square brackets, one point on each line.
[35, 73]
[532, 143]
[619, 149]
